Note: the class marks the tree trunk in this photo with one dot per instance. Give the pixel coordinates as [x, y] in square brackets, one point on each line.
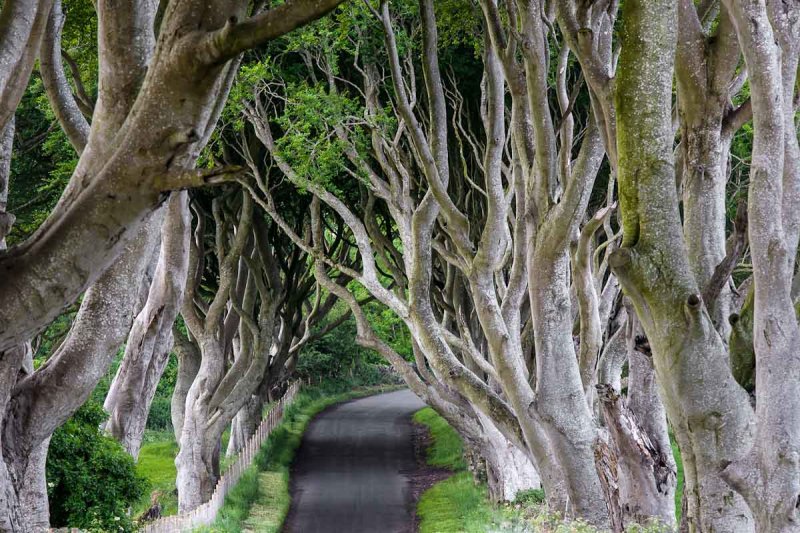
[708, 411]
[645, 404]
[188, 365]
[704, 182]
[33, 499]
[768, 476]
[11, 512]
[614, 355]
[149, 343]
[197, 461]
[509, 469]
[560, 400]
[245, 423]
[197, 469]
[646, 472]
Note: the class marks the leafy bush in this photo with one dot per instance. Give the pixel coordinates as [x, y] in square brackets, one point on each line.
[91, 479]
[160, 417]
[337, 357]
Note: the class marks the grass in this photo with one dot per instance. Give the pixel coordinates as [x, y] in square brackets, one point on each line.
[157, 464]
[460, 505]
[261, 499]
[446, 449]
[457, 504]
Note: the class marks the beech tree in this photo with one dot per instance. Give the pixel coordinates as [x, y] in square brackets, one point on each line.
[543, 193]
[449, 289]
[709, 412]
[156, 78]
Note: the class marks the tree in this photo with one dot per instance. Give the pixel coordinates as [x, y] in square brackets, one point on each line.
[102, 232]
[150, 339]
[713, 422]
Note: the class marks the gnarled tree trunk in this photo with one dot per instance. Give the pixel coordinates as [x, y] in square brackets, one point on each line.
[150, 340]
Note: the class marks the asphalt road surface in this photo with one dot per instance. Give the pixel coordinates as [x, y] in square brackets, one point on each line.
[348, 475]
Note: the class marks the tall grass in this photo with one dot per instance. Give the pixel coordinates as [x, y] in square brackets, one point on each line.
[446, 449]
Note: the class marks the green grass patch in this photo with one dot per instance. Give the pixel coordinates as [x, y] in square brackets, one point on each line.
[446, 449]
[454, 505]
[157, 464]
[457, 504]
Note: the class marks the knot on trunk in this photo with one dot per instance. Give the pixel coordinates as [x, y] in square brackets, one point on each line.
[606, 393]
[642, 345]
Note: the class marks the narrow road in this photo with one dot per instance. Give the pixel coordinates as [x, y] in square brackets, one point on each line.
[348, 475]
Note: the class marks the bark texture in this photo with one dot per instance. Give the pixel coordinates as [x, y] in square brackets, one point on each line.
[150, 339]
[711, 422]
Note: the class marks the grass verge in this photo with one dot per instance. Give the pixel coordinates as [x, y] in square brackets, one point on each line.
[261, 499]
[457, 504]
[460, 505]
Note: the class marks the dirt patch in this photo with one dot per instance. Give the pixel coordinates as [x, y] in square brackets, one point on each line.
[425, 476]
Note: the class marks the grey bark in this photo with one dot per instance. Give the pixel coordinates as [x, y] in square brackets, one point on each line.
[711, 421]
[509, 468]
[768, 476]
[188, 364]
[150, 340]
[105, 204]
[649, 474]
[645, 473]
[705, 70]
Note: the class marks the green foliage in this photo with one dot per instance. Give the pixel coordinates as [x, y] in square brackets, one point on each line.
[336, 356]
[308, 144]
[390, 328]
[91, 479]
[35, 185]
[535, 496]
[160, 415]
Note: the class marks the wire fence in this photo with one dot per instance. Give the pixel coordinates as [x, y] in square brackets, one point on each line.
[206, 513]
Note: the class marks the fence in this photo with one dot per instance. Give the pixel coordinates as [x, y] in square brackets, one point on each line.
[206, 514]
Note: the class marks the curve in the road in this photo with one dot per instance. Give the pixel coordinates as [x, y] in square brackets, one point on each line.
[349, 473]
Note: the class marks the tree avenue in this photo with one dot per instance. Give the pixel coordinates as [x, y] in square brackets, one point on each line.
[583, 218]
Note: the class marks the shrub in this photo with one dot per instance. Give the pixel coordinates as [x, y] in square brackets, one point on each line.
[160, 417]
[91, 480]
